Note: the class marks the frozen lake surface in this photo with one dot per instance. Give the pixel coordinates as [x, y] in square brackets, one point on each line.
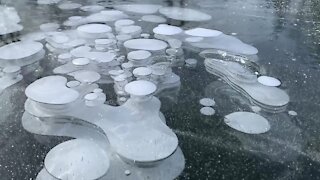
[281, 38]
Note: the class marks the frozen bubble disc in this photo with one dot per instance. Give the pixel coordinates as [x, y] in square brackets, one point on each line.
[269, 81]
[184, 14]
[140, 88]
[19, 50]
[94, 30]
[77, 159]
[146, 44]
[247, 122]
[86, 76]
[203, 32]
[51, 90]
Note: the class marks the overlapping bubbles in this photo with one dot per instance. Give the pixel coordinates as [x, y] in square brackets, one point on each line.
[133, 48]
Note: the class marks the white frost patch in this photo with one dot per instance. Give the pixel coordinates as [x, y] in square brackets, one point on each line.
[247, 122]
[94, 30]
[184, 14]
[269, 81]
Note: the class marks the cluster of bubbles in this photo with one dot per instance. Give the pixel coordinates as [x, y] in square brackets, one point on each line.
[109, 47]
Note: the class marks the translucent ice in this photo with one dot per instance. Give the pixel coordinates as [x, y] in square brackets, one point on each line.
[203, 32]
[269, 81]
[208, 111]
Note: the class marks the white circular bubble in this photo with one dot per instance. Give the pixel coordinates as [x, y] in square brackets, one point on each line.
[247, 122]
[142, 71]
[138, 55]
[140, 88]
[92, 8]
[292, 113]
[255, 109]
[146, 44]
[90, 96]
[72, 84]
[269, 81]
[49, 27]
[165, 29]
[208, 111]
[194, 39]
[207, 102]
[94, 30]
[77, 159]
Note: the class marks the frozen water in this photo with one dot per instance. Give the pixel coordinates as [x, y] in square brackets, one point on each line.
[139, 8]
[133, 31]
[193, 39]
[208, 111]
[51, 90]
[82, 159]
[191, 62]
[184, 14]
[207, 102]
[123, 22]
[153, 19]
[203, 32]
[140, 88]
[247, 122]
[269, 81]
[256, 109]
[138, 55]
[105, 16]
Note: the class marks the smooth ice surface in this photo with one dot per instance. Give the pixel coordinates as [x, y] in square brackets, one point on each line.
[139, 8]
[46, 2]
[77, 159]
[184, 14]
[193, 39]
[203, 32]
[208, 111]
[269, 81]
[123, 22]
[140, 88]
[19, 50]
[165, 29]
[153, 19]
[145, 44]
[49, 27]
[247, 122]
[207, 102]
[51, 90]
